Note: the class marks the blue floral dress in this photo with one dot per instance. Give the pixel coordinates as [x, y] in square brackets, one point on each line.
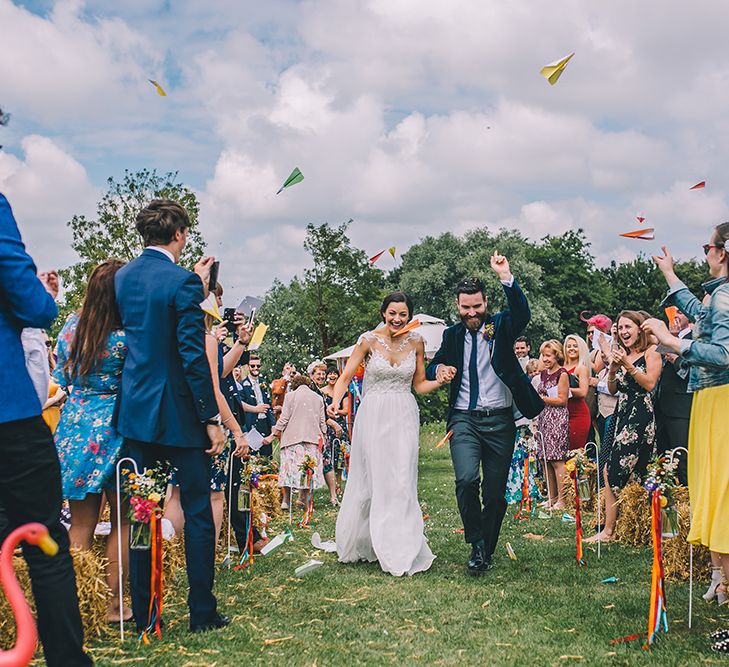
[88, 445]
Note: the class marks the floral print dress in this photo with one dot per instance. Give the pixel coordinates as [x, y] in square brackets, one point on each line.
[87, 443]
[524, 447]
[635, 430]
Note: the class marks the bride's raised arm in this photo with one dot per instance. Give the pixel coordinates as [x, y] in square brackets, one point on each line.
[359, 354]
[420, 384]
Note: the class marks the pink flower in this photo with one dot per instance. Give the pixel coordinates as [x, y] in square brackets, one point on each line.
[94, 447]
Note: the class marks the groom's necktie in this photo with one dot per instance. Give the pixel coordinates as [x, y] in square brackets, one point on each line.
[473, 372]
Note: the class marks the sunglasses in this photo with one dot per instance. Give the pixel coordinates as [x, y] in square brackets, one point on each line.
[709, 246]
[254, 366]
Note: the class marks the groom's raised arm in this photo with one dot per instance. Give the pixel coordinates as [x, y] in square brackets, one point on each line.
[517, 307]
[441, 357]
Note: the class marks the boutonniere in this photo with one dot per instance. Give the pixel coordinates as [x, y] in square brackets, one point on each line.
[488, 333]
[263, 386]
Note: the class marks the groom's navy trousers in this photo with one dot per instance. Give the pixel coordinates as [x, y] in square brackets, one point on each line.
[482, 440]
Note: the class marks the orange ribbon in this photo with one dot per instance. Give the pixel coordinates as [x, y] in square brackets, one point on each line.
[154, 616]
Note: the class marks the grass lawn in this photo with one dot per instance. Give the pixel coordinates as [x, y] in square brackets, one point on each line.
[538, 610]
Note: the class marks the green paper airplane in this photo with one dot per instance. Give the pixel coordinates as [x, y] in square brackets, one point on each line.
[296, 177]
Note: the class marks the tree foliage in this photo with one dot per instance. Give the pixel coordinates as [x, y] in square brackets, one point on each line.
[112, 233]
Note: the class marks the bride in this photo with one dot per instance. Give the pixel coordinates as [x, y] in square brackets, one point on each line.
[380, 518]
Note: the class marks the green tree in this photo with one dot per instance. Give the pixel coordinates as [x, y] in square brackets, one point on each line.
[112, 233]
[570, 278]
[335, 300]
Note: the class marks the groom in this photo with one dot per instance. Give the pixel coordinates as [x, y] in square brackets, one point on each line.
[487, 384]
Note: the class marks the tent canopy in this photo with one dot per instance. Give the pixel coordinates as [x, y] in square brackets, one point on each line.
[431, 329]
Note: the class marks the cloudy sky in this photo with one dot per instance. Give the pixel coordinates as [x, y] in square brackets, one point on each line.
[413, 118]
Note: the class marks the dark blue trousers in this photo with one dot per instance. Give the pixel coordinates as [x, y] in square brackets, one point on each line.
[193, 475]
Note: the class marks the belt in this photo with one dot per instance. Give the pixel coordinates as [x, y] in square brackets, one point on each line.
[487, 412]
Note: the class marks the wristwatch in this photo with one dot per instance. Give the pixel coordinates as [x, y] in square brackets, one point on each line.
[214, 421]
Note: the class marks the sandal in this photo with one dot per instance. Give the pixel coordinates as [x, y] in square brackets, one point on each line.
[721, 647]
[715, 583]
[719, 635]
[722, 596]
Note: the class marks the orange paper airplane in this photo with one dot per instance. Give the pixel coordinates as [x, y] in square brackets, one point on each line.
[671, 312]
[698, 186]
[412, 324]
[642, 234]
[444, 440]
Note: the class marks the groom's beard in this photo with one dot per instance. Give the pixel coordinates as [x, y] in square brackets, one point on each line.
[474, 323]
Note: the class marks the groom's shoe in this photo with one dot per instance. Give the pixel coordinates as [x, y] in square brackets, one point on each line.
[479, 563]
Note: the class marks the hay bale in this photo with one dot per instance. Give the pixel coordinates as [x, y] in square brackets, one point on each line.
[634, 517]
[266, 498]
[93, 596]
[568, 493]
[676, 550]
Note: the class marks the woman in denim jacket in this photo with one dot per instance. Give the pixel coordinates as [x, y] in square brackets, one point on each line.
[708, 356]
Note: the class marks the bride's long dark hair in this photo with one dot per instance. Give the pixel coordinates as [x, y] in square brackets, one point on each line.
[397, 297]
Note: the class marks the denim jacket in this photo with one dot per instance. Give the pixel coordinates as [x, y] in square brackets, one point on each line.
[708, 352]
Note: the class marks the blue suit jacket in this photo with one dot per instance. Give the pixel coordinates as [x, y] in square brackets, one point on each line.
[248, 396]
[24, 302]
[166, 389]
[508, 325]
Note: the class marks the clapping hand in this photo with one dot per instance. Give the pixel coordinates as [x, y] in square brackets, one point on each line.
[658, 329]
[50, 282]
[617, 357]
[500, 266]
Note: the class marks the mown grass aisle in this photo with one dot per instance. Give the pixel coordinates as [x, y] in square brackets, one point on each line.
[538, 610]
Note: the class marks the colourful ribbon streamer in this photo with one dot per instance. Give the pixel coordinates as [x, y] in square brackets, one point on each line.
[525, 506]
[578, 521]
[154, 618]
[657, 615]
[310, 504]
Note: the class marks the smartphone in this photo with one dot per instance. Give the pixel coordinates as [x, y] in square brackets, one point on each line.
[253, 314]
[229, 317]
[213, 281]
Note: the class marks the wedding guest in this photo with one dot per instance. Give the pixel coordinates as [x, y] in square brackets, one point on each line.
[317, 371]
[708, 358]
[300, 428]
[52, 407]
[597, 325]
[168, 408]
[578, 366]
[280, 386]
[634, 369]
[522, 348]
[30, 477]
[673, 400]
[337, 432]
[91, 354]
[553, 422]
[256, 403]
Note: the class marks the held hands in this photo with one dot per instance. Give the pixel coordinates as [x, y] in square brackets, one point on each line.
[202, 269]
[217, 439]
[445, 374]
[500, 266]
[241, 445]
[268, 439]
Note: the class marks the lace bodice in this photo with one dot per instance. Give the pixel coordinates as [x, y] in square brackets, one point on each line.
[389, 368]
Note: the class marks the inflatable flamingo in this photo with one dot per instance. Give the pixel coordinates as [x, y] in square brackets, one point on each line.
[27, 635]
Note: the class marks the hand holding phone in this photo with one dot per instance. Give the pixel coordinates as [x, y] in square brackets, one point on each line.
[213, 278]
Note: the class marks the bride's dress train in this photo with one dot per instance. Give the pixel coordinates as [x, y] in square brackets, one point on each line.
[380, 518]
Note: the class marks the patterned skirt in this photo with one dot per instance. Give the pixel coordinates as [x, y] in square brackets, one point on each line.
[292, 457]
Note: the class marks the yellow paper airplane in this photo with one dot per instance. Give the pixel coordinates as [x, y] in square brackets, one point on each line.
[160, 91]
[392, 251]
[553, 71]
[210, 306]
[257, 338]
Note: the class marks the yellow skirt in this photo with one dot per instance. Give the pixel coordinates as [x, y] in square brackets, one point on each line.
[708, 468]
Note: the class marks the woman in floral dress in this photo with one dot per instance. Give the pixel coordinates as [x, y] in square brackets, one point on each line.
[91, 354]
[634, 370]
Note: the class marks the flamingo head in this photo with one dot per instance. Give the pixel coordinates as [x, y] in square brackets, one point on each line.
[37, 534]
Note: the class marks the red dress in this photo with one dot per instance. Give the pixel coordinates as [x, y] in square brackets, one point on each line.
[579, 420]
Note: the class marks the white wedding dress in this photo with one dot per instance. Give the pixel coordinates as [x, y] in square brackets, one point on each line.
[380, 518]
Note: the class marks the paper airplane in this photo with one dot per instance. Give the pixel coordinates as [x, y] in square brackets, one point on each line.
[210, 306]
[296, 177]
[160, 91]
[329, 546]
[374, 258]
[671, 313]
[257, 338]
[412, 324]
[554, 70]
[642, 234]
[444, 440]
[307, 567]
[392, 251]
[698, 186]
[639, 219]
[510, 551]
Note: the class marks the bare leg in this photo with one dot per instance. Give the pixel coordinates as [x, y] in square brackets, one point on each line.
[112, 570]
[721, 591]
[331, 481]
[286, 499]
[716, 576]
[217, 502]
[558, 467]
[611, 515]
[84, 517]
[552, 484]
[173, 509]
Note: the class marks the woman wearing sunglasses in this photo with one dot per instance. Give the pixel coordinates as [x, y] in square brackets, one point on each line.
[708, 356]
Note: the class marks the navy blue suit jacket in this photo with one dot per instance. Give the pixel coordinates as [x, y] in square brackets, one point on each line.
[248, 397]
[24, 302]
[508, 325]
[166, 389]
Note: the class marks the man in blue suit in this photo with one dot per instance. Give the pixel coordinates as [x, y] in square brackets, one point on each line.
[166, 409]
[256, 402]
[487, 383]
[30, 475]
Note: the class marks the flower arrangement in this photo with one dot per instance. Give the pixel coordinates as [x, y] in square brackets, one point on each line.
[145, 492]
[307, 466]
[488, 332]
[661, 477]
[579, 466]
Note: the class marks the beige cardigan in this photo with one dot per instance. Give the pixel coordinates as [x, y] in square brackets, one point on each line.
[302, 417]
